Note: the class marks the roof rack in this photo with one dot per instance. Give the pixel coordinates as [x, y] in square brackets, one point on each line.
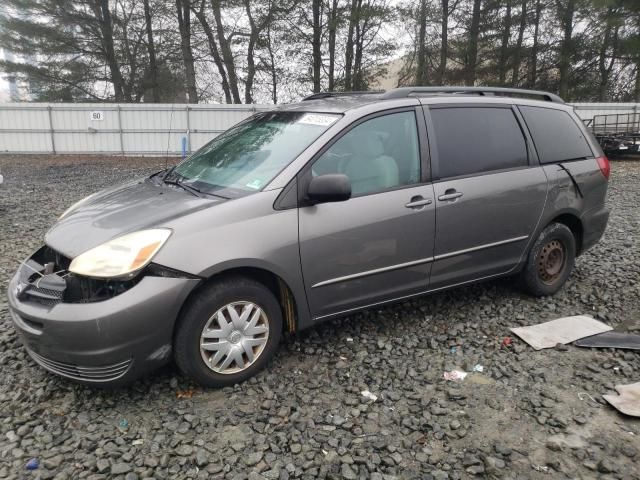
[318, 96]
[403, 92]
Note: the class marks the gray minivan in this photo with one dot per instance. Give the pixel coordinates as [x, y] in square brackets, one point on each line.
[305, 213]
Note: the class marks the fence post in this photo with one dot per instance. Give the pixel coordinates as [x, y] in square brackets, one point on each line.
[188, 130]
[51, 132]
[120, 130]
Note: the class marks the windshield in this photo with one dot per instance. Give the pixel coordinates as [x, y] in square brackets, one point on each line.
[246, 157]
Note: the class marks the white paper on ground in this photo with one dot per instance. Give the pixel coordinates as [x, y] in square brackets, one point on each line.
[628, 402]
[563, 330]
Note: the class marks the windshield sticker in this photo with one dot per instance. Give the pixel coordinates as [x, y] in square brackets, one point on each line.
[318, 119]
[256, 184]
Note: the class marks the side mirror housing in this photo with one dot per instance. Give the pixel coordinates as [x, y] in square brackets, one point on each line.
[334, 187]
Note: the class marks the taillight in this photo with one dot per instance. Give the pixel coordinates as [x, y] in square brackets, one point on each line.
[605, 168]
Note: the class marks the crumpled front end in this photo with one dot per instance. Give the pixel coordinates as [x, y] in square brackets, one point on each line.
[96, 331]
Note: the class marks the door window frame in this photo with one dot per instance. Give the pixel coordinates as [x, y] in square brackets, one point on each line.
[304, 175]
[532, 156]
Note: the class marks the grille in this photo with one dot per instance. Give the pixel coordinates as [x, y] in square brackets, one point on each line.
[106, 373]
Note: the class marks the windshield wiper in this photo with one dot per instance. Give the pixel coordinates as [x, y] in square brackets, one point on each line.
[192, 190]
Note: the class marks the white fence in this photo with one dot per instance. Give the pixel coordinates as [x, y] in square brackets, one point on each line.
[131, 129]
[144, 129]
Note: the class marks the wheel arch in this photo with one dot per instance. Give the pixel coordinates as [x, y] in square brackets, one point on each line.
[293, 308]
[573, 222]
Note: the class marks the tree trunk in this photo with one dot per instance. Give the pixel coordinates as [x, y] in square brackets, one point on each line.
[444, 34]
[421, 68]
[472, 45]
[358, 80]
[517, 61]
[106, 30]
[566, 47]
[348, 68]
[333, 27]
[151, 49]
[274, 73]
[184, 25]
[215, 53]
[227, 54]
[316, 7]
[533, 64]
[504, 46]
[251, 65]
[603, 66]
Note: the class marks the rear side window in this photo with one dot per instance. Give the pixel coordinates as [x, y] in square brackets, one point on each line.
[555, 134]
[475, 140]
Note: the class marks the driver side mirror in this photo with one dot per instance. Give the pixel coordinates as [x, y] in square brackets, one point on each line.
[333, 187]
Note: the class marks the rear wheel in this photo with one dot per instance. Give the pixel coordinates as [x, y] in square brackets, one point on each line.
[228, 332]
[550, 261]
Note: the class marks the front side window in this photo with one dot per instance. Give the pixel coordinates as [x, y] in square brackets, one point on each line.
[555, 134]
[478, 139]
[376, 155]
[246, 157]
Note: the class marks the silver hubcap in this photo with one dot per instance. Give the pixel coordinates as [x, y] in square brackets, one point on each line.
[234, 337]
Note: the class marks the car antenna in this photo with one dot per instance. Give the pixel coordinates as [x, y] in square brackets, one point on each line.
[166, 157]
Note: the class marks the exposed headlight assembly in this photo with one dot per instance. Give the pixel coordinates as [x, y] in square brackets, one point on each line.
[122, 256]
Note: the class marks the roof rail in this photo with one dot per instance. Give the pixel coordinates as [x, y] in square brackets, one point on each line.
[403, 92]
[318, 96]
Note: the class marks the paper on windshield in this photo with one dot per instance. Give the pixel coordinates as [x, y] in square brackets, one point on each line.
[317, 119]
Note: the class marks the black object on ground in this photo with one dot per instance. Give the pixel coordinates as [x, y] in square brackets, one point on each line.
[627, 341]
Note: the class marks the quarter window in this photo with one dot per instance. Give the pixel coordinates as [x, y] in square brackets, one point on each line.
[377, 155]
[475, 140]
[555, 134]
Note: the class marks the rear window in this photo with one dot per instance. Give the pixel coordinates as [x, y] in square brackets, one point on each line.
[478, 139]
[556, 136]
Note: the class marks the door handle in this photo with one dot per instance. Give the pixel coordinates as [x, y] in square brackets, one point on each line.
[450, 194]
[418, 202]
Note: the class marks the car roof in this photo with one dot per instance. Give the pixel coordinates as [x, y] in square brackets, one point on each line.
[341, 102]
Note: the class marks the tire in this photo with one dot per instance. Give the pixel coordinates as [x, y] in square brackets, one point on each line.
[550, 261]
[227, 341]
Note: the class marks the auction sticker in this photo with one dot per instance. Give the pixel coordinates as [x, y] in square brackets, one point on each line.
[318, 119]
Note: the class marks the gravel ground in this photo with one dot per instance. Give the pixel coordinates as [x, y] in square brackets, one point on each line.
[527, 415]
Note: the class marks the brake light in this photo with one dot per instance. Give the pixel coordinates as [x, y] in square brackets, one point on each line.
[605, 168]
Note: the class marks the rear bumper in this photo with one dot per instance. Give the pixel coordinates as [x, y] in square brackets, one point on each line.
[594, 222]
[103, 343]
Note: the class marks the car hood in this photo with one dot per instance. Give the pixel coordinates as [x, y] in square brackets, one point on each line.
[108, 214]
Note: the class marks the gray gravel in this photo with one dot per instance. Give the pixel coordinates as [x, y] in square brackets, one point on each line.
[527, 415]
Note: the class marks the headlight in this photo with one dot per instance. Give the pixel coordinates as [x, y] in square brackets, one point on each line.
[121, 256]
[74, 206]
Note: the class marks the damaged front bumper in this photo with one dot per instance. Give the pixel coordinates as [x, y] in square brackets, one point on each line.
[104, 334]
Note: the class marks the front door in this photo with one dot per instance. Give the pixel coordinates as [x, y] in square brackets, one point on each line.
[378, 245]
[489, 195]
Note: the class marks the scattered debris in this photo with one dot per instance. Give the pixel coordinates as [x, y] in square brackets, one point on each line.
[454, 375]
[123, 424]
[185, 393]
[541, 468]
[453, 349]
[138, 441]
[625, 341]
[628, 400]
[33, 464]
[369, 395]
[562, 330]
[478, 368]
[349, 339]
[507, 341]
[583, 395]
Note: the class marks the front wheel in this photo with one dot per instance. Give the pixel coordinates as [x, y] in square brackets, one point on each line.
[228, 332]
[550, 261]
